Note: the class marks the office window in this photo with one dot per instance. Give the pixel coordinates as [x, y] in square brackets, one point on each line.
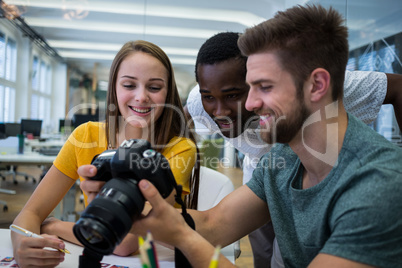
[40, 107]
[383, 56]
[34, 106]
[11, 60]
[43, 74]
[35, 73]
[8, 74]
[2, 54]
[48, 80]
[351, 66]
[8, 58]
[41, 90]
[7, 97]
[367, 61]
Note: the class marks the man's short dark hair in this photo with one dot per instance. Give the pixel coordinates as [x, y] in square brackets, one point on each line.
[219, 48]
[304, 38]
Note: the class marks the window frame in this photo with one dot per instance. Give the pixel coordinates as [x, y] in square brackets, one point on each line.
[41, 90]
[8, 77]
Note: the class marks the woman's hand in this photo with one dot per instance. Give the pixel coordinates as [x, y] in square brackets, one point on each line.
[90, 187]
[41, 252]
[30, 252]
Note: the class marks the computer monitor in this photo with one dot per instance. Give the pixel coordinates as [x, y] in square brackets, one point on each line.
[65, 126]
[2, 131]
[12, 129]
[79, 119]
[31, 126]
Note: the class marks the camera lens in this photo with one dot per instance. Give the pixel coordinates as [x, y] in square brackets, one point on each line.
[108, 218]
[94, 235]
[91, 235]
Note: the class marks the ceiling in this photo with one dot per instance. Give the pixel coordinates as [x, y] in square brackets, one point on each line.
[88, 33]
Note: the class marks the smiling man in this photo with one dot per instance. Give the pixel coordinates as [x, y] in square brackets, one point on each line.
[335, 211]
[218, 102]
[317, 203]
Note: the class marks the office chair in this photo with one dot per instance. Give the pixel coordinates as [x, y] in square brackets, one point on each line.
[213, 187]
[12, 170]
[4, 203]
[11, 130]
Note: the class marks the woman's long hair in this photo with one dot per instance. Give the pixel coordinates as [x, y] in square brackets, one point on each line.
[167, 125]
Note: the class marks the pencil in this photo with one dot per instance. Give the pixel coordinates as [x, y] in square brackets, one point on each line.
[24, 232]
[215, 258]
[143, 254]
[150, 248]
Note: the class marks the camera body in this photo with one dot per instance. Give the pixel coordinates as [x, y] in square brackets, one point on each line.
[109, 217]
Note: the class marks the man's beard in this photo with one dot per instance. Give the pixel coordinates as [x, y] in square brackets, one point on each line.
[286, 127]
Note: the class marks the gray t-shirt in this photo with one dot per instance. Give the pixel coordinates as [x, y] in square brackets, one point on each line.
[354, 213]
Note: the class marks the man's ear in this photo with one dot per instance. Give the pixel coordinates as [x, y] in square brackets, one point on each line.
[320, 84]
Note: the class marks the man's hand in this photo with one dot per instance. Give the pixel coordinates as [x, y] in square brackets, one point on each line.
[168, 226]
[164, 222]
[90, 187]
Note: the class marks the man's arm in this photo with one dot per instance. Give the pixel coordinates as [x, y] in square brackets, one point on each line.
[222, 225]
[168, 226]
[394, 95]
[326, 260]
[225, 223]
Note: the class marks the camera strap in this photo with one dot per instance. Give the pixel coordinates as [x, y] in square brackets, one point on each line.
[179, 259]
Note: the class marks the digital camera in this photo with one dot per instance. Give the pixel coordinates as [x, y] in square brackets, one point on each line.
[109, 217]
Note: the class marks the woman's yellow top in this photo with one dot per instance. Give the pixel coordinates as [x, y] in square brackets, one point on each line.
[89, 140]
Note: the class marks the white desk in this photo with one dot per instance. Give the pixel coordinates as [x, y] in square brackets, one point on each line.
[31, 158]
[10, 145]
[28, 158]
[165, 255]
[35, 143]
